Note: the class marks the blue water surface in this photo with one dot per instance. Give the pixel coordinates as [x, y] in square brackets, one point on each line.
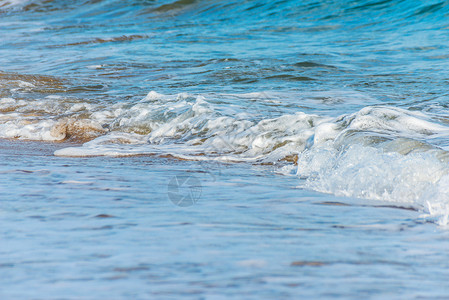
[107, 227]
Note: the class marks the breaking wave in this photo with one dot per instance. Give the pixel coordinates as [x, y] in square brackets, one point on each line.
[378, 152]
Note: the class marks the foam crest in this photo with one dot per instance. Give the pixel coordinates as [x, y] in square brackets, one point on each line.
[372, 173]
[381, 153]
[203, 128]
[392, 119]
[385, 154]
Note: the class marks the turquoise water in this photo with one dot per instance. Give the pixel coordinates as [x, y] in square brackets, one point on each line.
[217, 149]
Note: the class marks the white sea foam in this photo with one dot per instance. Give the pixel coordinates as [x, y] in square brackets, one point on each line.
[369, 172]
[379, 152]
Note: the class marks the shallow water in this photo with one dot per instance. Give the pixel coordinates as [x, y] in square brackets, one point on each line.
[103, 227]
[212, 149]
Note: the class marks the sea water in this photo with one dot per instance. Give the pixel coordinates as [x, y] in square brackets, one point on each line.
[218, 149]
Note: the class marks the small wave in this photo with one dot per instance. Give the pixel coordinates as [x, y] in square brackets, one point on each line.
[36, 83]
[123, 38]
[378, 152]
[13, 4]
[174, 6]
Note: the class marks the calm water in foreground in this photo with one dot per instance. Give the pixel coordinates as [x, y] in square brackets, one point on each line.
[218, 149]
